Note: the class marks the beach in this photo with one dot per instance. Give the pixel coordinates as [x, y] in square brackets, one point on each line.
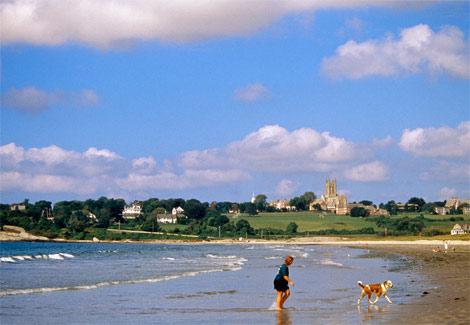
[447, 297]
[430, 285]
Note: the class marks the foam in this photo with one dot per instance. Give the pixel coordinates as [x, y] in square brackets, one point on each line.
[231, 266]
[331, 263]
[22, 258]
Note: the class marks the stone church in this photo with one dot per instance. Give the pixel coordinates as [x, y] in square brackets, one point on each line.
[331, 201]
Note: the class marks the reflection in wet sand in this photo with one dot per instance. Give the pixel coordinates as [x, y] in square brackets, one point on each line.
[283, 317]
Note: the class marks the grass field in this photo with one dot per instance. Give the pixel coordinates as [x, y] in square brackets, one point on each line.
[309, 221]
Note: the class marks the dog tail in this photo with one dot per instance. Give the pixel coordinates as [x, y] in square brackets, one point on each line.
[359, 283]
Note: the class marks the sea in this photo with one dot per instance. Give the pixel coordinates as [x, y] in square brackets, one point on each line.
[129, 283]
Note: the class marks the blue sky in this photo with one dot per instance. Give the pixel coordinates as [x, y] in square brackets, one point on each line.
[143, 99]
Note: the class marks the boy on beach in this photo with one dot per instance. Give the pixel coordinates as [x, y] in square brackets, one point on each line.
[282, 281]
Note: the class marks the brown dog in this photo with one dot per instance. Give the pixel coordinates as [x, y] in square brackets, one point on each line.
[379, 289]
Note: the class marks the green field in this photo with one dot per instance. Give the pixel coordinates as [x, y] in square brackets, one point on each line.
[309, 221]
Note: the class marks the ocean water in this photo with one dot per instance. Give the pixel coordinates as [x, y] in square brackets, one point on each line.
[78, 283]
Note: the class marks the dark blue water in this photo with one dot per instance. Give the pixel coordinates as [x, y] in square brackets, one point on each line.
[56, 283]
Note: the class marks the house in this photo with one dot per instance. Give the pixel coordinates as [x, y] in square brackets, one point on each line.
[373, 211]
[466, 210]
[132, 211]
[18, 207]
[441, 211]
[407, 207]
[166, 218]
[457, 230]
[177, 211]
[91, 216]
[282, 205]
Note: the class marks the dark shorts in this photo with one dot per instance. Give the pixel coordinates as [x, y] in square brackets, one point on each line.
[281, 285]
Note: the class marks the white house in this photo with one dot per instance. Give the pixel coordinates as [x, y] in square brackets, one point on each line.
[176, 211]
[166, 218]
[132, 211]
[457, 230]
[92, 217]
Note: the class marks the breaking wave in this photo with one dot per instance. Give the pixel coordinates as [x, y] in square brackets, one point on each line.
[21, 258]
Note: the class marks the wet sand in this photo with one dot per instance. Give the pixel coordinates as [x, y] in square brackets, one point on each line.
[447, 297]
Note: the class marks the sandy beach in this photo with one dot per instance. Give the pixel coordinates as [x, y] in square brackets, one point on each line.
[445, 299]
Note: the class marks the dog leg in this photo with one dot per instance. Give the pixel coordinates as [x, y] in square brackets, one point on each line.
[373, 302]
[388, 299]
[360, 297]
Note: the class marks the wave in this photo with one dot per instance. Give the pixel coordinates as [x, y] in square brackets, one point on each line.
[21, 258]
[217, 256]
[13, 292]
[331, 263]
[168, 258]
[273, 258]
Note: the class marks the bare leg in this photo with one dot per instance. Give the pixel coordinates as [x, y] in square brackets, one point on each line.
[388, 299]
[279, 301]
[285, 295]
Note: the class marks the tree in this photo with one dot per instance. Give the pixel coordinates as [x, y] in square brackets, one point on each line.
[359, 212]
[366, 202]
[308, 197]
[291, 228]
[194, 209]
[416, 200]
[391, 207]
[260, 202]
[250, 208]
[243, 227]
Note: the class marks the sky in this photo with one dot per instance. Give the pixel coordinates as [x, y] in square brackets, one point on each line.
[216, 100]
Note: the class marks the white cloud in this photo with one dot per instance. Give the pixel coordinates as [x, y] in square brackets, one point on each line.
[383, 143]
[285, 188]
[418, 49]
[375, 171]
[106, 23]
[103, 153]
[438, 142]
[188, 179]
[55, 170]
[44, 183]
[447, 193]
[32, 99]
[11, 155]
[273, 148]
[144, 165]
[251, 93]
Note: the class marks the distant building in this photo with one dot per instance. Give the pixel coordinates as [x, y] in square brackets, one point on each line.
[132, 211]
[466, 210]
[407, 207]
[18, 207]
[441, 211]
[282, 205]
[453, 203]
[373, 211]
[253, 198]
[92, 217]
[177, 211]
[331, 201]
[167, 218]
[458, 230]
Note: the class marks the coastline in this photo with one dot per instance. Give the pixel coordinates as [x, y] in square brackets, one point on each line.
[446, 299]
[446, 294]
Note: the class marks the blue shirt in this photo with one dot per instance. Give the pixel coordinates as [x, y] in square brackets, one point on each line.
[283, 271]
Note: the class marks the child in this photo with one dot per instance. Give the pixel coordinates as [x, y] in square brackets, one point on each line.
[281, 282]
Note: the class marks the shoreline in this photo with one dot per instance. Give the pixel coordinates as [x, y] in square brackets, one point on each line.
[445, 299]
